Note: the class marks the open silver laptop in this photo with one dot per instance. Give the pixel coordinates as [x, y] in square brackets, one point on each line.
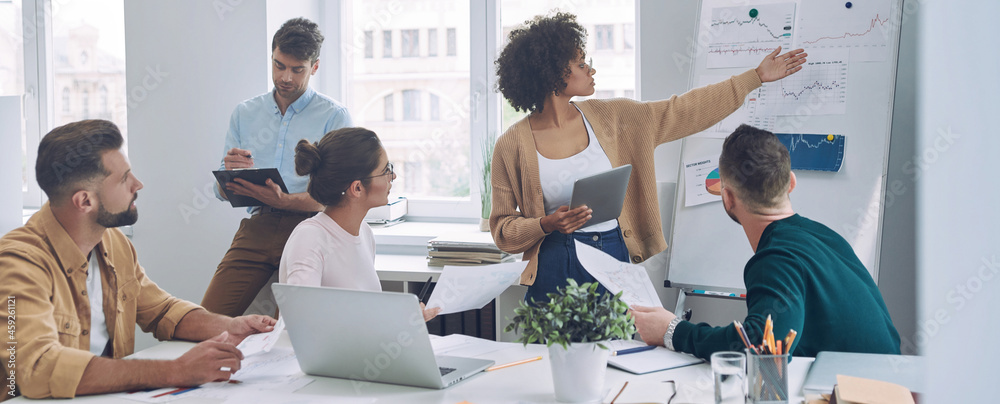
[366, 336]
[904, 370]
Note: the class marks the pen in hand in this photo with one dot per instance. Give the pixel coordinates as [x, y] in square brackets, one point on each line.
[423, 291]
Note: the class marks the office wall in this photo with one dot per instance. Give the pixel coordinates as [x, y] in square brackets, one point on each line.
[188, 64]
[958, 229]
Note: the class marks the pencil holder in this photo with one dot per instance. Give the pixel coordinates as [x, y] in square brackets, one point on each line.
[767, 378]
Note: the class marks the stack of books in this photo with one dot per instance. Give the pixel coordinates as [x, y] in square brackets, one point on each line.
[473, 248]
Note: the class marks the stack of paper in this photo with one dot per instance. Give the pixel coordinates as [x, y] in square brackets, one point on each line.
[471, 248]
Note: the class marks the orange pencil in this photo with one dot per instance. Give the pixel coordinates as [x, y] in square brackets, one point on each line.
[789, 339]
[768, 334]
[507, 365]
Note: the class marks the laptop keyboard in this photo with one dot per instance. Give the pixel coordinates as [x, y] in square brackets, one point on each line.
[445, 371]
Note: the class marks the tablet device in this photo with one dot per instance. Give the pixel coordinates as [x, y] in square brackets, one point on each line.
[257, 176]
[604, 193]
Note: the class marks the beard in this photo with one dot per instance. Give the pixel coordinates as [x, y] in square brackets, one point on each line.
[124, 218]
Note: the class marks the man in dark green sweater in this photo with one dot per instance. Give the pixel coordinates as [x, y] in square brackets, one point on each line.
[803, 274]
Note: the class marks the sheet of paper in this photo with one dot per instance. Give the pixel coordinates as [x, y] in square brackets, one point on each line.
[619, 276]
[466, 288]
[702, 183]
[465, 346]
[262, 342]
[820, 88]
[741, 36]
[860, 28]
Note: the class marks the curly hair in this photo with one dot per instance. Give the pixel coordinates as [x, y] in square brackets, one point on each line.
[536, 59]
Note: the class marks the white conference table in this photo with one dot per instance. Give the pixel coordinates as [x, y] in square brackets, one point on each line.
[526, 383]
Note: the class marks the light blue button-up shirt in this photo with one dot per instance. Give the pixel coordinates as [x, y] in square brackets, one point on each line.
[258, 126]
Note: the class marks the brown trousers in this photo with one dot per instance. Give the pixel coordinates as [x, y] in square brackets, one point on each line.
[251, 260]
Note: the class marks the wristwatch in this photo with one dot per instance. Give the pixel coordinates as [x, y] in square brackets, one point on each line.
[668, 338]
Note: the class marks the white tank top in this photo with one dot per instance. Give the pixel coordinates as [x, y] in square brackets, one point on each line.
[557, 176]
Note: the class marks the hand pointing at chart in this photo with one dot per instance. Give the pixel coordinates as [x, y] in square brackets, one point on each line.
[776, 67]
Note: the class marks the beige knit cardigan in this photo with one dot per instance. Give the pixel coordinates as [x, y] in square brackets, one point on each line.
[628, 131]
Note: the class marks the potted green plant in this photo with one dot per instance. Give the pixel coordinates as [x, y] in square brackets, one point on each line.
[485, 190]
[574, 323]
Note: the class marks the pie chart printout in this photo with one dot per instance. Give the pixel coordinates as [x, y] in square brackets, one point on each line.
[713, 184]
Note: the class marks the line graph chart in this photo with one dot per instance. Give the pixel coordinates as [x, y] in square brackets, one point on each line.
[741, 36]
[814, 152]
[863, 28]
[820, 88]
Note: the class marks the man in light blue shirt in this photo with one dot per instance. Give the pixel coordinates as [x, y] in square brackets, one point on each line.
[263, 132]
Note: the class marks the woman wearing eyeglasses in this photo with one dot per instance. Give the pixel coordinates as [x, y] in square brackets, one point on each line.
[350, 173]
[542, 67]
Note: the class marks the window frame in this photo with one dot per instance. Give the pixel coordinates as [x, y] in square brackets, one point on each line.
[485, 109]
[39, 96]
[409, 42]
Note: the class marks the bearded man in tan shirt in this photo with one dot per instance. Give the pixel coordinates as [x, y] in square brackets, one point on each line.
[75, 288]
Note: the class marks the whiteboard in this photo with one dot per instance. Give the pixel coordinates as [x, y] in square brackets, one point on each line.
[707, 249]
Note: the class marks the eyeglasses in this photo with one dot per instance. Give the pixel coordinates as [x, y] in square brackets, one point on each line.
[387, 171]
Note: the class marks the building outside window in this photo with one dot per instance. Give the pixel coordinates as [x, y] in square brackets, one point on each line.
[432, 42]
[605, 36]
[452, 42]
[389, 108]
[369, 44]
[411, 105]
[410, 42]
[387, 44]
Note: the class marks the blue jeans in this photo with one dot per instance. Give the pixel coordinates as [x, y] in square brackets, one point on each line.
[557, 260]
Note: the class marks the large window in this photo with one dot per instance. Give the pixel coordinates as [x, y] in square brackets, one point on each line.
[81, 70]
[432, 100]
[615, 67]
[390, 96]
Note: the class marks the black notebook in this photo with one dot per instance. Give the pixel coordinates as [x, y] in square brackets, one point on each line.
[257, 176]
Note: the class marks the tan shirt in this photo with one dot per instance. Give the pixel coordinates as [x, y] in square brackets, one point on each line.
[45, 273]
[628, 131]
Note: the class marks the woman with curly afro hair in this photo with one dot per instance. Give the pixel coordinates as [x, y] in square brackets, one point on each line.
[542, 67]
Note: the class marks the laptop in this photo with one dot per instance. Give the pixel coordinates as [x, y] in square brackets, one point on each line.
[366, 336]
[604, 193]
[904, 370]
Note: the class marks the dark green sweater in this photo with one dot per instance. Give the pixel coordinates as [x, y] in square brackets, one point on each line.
[808, 279]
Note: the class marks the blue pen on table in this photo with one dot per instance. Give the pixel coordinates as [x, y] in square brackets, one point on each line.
[637, 349]
[423, 291]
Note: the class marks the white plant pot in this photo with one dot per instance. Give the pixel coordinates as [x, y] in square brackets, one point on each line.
[578, 372]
